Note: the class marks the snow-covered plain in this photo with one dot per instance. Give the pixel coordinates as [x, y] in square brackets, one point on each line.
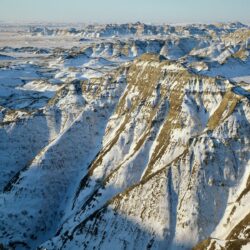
[128, 136]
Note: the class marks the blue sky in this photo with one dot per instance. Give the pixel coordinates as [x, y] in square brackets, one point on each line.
[151, 11]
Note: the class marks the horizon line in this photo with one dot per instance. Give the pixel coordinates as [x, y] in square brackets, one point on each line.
[121, 22]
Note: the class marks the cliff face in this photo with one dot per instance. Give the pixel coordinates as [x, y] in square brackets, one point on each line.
[174, 160]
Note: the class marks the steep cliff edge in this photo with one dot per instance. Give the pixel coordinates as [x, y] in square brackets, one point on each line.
[173, 162]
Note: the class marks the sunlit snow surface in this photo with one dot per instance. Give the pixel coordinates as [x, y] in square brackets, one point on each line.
[78, 134]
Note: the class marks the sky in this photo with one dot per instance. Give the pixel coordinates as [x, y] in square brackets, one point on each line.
[120, 11]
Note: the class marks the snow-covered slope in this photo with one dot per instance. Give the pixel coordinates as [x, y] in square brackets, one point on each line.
[127, 143]
[172, 150]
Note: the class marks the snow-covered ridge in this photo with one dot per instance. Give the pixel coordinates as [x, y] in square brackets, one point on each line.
[131, 29]
[135, 196]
